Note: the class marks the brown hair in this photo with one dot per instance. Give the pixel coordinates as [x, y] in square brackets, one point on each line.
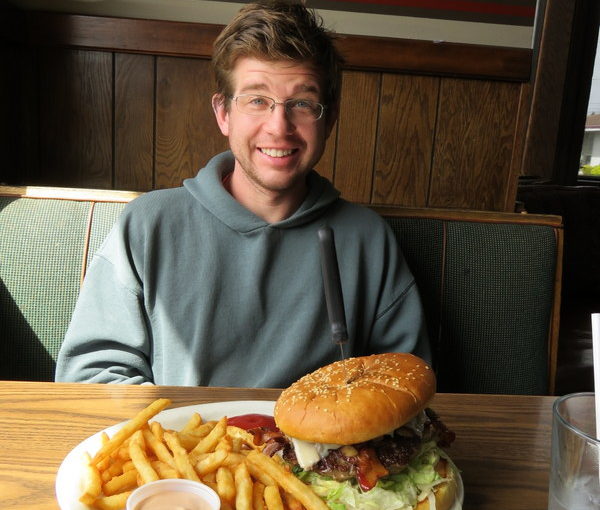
[276, 30]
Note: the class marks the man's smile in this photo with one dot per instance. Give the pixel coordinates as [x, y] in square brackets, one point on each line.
[277, 153]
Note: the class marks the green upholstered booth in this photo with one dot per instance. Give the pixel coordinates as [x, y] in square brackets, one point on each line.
[47, 237]
[490, 284]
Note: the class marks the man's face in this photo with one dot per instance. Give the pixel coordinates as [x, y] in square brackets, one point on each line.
[274, 151]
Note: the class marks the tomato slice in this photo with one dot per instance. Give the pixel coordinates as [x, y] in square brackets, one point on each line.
[252, 421]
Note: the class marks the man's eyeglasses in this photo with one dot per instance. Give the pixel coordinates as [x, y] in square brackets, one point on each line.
[299, 110]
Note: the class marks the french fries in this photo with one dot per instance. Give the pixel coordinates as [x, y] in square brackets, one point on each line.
[273, 498]
[139, 459]
[225, 484]
[286, 480]
[121, 483]
[243, 488]
[129, 428]
[182, 461]
[210, 441]
[92, 482]
[221, 456]
[258, 496]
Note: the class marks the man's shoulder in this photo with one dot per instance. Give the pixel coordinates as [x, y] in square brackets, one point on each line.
[158, 202]
[159, 196]
[358, 215]
[159, 207]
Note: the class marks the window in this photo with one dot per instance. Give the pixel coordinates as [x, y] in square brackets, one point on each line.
[590, 150]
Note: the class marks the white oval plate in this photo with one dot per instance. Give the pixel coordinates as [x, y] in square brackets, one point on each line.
[68, 478]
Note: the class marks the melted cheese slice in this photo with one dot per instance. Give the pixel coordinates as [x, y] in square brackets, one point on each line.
[308, 454]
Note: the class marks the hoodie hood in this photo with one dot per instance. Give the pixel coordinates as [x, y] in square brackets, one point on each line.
[207, 188]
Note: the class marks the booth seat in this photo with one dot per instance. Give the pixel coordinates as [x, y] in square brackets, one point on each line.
[490, 284]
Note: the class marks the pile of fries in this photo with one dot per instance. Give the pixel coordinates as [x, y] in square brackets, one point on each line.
[220, 456]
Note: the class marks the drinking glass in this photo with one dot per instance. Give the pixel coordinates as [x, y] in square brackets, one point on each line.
[575, 461]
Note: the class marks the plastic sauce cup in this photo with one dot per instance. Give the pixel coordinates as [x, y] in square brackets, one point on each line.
[174, 494]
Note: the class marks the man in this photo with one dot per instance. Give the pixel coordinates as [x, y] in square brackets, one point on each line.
[218, 282]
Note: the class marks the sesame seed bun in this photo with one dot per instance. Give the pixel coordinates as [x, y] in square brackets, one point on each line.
[356, 399]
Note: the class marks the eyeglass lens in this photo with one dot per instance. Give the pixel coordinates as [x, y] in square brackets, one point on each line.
[299, 109]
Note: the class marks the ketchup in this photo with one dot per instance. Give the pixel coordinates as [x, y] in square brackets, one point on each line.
[252, 421]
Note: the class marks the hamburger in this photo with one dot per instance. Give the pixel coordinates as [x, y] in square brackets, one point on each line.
[359, 432]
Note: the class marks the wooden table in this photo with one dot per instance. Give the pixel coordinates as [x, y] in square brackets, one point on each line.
[502, 445]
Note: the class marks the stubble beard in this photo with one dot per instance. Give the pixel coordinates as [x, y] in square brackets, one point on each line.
[263, 186]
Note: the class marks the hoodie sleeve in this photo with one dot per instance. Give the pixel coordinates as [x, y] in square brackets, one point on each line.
[399, 324]
[108, 339]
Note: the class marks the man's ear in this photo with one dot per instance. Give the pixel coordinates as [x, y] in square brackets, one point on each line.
[221, 113]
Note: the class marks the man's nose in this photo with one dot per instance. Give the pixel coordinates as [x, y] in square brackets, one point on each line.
[279, 119]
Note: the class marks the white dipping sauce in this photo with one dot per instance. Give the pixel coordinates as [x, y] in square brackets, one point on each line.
[173, 500]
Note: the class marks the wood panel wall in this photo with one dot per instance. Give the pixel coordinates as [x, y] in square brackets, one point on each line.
[126, 111]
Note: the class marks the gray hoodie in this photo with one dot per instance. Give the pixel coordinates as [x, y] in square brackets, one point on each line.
[191, 288]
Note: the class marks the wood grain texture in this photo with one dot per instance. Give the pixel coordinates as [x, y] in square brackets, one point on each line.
[405, 139]
[516, 164]
[76, 120]
[385, 148]
[554, 333]
[440, 58]
[504, 458]
[357, 133]
[134, 121]
[474, 144]
[378, 152]
[187, 135]
[549, 83]
[326, 164]
[27, 132]
[502, 446]
[467, 215]
[196, 39]
[157, 37]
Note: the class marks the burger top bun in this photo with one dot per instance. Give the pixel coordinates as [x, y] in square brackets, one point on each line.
[356, 399]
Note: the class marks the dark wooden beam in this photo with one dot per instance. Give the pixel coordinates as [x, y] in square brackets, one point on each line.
[443, 58]
[121, 34]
